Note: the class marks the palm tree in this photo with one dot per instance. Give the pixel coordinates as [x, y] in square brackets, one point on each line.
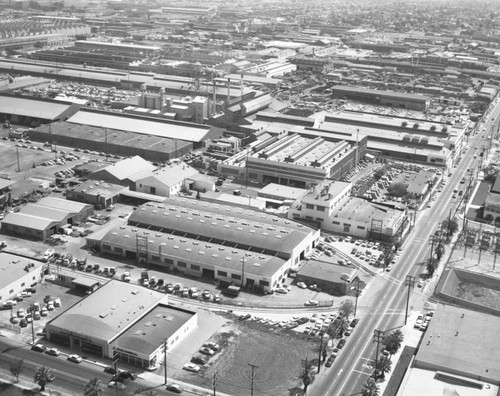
[43, 376]
[384, 366]
[93, 388]
[392, 342]
[370, 388]
[307, 375]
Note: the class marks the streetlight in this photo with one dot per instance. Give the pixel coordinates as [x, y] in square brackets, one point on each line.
[243, 269]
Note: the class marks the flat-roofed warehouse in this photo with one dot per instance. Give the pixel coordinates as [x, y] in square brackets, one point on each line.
[18, 273]
[44, 218]
[461, 342]
[123, 321]
[382, 97]
[34, 111]
[127, 135]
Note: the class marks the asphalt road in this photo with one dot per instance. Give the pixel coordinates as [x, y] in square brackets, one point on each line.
[386, 312]
[69, 377]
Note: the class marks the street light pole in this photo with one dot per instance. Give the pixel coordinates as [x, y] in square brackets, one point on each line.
[165, 360]
[409, 282]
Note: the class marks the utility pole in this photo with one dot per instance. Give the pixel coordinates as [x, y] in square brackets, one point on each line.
[18, 165]
[409, 282]
[357, 295]
[215, 382]
[253, 366]
[378, 336]
[320, 353]
[165, 360]
[106, 142]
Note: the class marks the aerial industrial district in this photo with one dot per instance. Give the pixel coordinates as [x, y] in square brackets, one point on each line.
[277, 198]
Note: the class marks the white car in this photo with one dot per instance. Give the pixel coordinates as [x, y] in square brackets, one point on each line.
[194, 368]
[311, 303]
[301, 285]
[75, 358]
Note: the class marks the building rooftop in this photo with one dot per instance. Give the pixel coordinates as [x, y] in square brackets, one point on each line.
[366, 91]
[323, 270]
[12, 268]
[152, 329]
[63, 204]
[98, 188]
[277, 191]
[28, 220]
[170, 175]
[463, 342]
[109, 311]
[47, 212]
[327, 190]
[35, 108]
[142, 125]
[361, 211]
[235, 211]
[127, 168]
[206, 253]
[220, 227]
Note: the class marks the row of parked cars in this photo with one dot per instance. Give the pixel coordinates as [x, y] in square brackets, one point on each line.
[35, 311]
[207, 350]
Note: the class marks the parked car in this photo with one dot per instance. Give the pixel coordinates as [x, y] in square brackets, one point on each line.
[75, 358]
[198, 359]
[330, 361]
[191, 367]
[245, 317]
[53, 352]
[174, 388]
[38, 348]
[311, 303]
[341, 343]
[212, 345]
[207, 351]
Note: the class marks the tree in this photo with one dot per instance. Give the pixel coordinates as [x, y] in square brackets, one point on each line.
[392, 341]
[404, 124]
[16, 368]
[93, 388]
[416, 125]
[450, 226]
[384, 366]
[370, 388]
[43, 376]
[488, 217]
[379, 173]
[388, 255]
[397, 189]
[430, 268]
[307, 375]
[440, 250]
[346, 309]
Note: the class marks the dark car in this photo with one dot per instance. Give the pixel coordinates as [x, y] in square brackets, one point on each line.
[354, 322]
[38, 348]
[302, 320]
[245, 317]
[174, 388]
[110, 370]
[330, 361]
[341, 343]
[199, 360]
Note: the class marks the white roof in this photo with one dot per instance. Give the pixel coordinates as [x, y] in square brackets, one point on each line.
[160, 128]
[129, 167]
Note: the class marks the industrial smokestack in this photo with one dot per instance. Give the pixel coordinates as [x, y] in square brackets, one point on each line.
[214, 100]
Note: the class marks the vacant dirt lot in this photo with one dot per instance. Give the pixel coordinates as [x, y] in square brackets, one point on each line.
[278, 357]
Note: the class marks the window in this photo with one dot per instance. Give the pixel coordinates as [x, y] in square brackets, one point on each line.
[195, 267]
[319, 219]
[320, 208]
[181, 264]
[235, 276]
[336, 222]
[143, 255]
[347, 225]
[106, 247]
[168, 261]
[222, 273]
[22, 284]
[155, 258]
[309, 206]
[309, 217]
[263, 283]
[361, 228]
[118, 250]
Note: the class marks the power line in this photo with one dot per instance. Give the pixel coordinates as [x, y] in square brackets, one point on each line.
[253, 366]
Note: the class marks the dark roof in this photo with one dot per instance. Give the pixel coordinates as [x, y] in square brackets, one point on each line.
[151, 330]
[496, 185]
[220, 226]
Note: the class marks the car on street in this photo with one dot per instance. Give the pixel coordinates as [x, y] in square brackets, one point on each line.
[194, 368]
[38, 348]
[174, 388]
[75, 358]
[330, 360]
[348, 332]
[354, 322]
[418, 322]
[420, 284]
[53, 352]
[311, 303]
[341, 343]
[301, 285]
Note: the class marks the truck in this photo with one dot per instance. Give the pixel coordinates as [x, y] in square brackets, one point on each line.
[232, 290]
